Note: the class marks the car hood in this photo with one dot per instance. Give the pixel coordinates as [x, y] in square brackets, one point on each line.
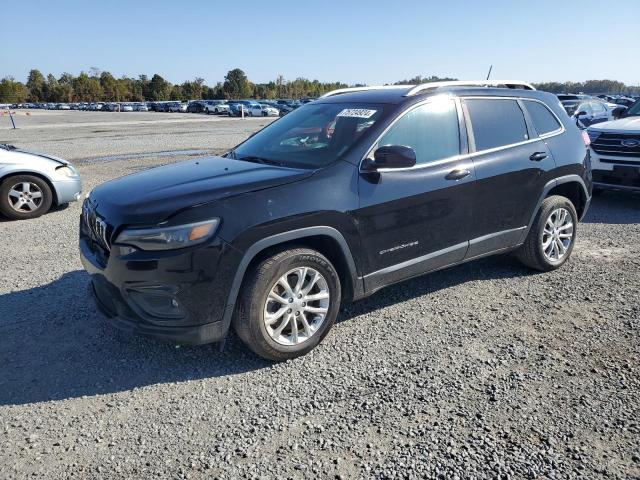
[17, 155]
[152, 196]
[623, 125]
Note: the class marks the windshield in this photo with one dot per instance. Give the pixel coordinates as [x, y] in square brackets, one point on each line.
[311, 136]
[634, 110]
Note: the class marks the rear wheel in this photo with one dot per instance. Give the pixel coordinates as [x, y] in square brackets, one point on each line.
[552, 235]
[288, 304]
[24, 196]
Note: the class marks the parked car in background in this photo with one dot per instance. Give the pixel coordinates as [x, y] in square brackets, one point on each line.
[586, 110]
[287, 108]
[140, 107]
[126, 107]
[590, 113]
[176, 107]
[276, 235]
[196, 106]
[615, 152]
[261, 110]
[626, 101]
[30, 183]
[237, 107]
[217, 107]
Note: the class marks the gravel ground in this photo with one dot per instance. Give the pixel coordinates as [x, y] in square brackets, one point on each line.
[482, 371]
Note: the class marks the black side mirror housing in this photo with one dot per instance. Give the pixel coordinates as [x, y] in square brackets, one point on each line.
[391, 156]
[581, 113]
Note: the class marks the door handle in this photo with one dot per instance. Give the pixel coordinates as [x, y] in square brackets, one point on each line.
[538, 156]
[457, 174]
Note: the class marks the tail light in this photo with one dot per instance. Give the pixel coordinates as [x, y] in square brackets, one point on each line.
[585, 137]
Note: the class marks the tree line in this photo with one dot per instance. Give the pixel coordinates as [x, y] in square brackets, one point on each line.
[590, 86]
[97, 85]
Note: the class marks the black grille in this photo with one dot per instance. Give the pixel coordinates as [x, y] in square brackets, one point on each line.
[96, 228]
[619, 144]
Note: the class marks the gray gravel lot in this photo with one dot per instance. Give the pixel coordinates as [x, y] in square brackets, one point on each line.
[482, 371]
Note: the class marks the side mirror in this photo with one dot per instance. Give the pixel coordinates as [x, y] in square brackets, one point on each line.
[391, 156]
[581, 113]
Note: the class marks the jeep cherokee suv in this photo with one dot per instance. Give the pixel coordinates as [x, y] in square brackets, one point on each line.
[358, 190]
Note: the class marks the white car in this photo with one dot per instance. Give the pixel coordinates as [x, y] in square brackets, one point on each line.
[262, 110]
[126, 108]
[615, 152]
[177, 107]
[30, 183]
[217, 108]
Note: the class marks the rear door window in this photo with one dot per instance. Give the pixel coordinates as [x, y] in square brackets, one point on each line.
[598, 108]
[430, 129]
[496, 122]
[544, 121]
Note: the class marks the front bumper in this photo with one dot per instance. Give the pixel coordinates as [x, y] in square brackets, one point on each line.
[67, 190]
[179, 296]
[615, 172]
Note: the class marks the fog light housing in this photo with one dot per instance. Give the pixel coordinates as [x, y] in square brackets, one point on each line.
[158, 301]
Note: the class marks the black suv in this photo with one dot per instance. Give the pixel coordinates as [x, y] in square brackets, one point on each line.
[358, 190]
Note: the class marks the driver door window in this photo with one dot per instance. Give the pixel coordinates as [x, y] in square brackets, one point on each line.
[430, 129]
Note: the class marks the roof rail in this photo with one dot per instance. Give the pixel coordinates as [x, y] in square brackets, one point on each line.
[470, 83]
[362, 89]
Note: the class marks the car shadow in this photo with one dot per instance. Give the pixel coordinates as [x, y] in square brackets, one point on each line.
[614, 207]
[55, 345]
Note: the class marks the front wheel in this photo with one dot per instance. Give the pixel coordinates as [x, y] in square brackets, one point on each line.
[552, 235]
[24, 196]
[288, 304]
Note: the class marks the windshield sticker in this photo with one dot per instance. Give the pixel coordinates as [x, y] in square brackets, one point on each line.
[356, 113]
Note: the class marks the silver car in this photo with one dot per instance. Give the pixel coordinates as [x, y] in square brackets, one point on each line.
[30, 183]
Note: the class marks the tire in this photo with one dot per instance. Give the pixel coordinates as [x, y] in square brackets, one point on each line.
[18, 185]
[255, 300]
[532, 252]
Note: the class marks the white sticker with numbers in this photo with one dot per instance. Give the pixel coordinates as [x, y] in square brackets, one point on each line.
[357, 113]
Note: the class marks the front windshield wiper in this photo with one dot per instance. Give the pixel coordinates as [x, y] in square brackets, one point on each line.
[252, 158]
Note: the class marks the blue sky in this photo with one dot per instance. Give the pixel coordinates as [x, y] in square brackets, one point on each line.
[353, 41]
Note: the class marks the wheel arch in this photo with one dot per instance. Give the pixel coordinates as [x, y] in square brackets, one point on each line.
[574, 192]
[567, 186]
[324, 239]
[44, 178]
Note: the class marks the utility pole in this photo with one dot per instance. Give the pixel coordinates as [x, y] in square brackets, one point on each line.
[489, 74]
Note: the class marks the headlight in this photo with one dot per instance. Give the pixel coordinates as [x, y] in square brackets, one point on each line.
[169, 238]
[593, 135]
[67, 171]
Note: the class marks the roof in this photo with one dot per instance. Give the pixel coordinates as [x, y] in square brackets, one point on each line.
[395, 94]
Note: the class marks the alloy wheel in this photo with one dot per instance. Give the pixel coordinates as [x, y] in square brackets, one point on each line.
[296, 306]
[25, 197]
[557, 235]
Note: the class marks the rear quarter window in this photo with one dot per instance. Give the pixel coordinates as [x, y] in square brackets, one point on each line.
[544, 121]
[496, 122]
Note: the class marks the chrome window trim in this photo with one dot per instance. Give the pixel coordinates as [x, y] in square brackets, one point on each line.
[458, 101]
